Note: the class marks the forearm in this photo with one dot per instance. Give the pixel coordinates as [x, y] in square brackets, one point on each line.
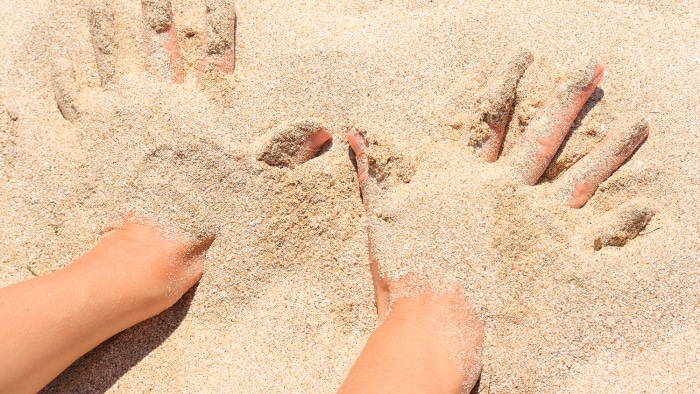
[51, 321]
[412, 352]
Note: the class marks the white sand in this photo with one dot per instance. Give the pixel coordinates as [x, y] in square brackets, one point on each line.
[286, 301]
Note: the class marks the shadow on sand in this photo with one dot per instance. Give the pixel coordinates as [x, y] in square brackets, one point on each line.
[101, 368]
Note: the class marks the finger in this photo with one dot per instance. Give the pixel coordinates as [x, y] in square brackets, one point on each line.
[358, 144]
[102, 30]
[584, 177]
[65, 89]
[220, 37]
[294, 144]
[162, 47]
[494, 107]
[310, 147]
[547, 130]
[619, 226]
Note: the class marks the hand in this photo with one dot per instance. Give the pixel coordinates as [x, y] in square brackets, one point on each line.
[466, 220]
[167, 150]
[156, 146]
[152, 265]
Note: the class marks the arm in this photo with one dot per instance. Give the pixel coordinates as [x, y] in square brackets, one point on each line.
[48, 322]
[415, 349]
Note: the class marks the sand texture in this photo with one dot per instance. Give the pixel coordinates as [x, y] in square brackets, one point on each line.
[605, 298]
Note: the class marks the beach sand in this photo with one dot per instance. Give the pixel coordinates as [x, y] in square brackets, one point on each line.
[286, 301]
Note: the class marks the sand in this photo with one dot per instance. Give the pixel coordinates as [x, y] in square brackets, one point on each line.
[286, 301]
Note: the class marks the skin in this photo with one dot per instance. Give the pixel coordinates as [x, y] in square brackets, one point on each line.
[603, 160]
[162, 47]
[311, 146]
[381, 286]
[220, 20]
[539, 144]
[164, 44]
[547, 130]
[495, 103]
[161, 38]
[136, 272]
[139, 270]
[132, 274]
[410, 350]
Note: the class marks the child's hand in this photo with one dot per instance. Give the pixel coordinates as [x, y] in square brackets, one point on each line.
[155, 265]
[454, 191]
[163, 141]
[519, 237]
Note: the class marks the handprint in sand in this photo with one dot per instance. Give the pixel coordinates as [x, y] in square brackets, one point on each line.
[521, 235]
[167, 125]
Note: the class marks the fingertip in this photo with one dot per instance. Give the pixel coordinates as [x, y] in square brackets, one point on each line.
[102, 30]
[65, 89]
[581, 193]
[636, 135]
[220, 37]
[598, 73]
[604, 160]
[624, 223]
[620, 145]
[491, 149]
[310, 147]
[294, 144]
[357, 142]
[202, 245]
[317, 139]
[494, 106]
[548, 129]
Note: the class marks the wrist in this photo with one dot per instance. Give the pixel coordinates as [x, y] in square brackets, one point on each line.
[449, 329]
[131, 275]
